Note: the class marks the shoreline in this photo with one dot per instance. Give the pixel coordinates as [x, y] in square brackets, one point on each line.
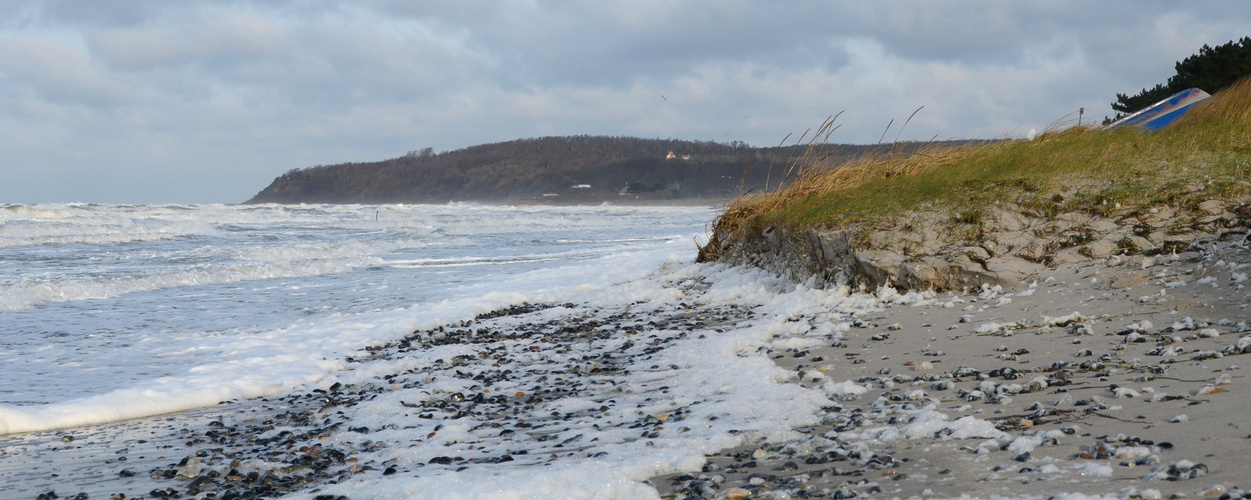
[898, 379]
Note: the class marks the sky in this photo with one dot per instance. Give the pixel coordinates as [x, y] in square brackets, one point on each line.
[152, 101]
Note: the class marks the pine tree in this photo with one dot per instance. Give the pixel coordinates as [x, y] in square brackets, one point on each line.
[1211, 70]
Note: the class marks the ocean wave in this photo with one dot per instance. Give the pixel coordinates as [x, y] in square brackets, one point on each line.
[24, 295]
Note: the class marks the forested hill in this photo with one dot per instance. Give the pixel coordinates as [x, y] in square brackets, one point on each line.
[549, 168]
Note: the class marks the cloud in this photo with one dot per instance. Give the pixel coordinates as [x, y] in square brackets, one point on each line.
[56, 73]
[221, 38]
[202, 100]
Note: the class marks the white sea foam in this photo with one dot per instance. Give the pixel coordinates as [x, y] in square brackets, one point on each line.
[262, 264]
[268, 299]
[728, 390]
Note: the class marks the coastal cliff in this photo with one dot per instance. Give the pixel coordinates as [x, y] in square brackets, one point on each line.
[952, 217]
[1014, 248]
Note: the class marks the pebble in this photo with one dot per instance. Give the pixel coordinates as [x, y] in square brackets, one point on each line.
[737, 493]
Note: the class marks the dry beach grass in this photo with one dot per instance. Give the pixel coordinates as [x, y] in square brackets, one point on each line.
[1083, 170]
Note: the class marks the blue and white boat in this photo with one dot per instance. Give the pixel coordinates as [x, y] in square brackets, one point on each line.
[1163, 113]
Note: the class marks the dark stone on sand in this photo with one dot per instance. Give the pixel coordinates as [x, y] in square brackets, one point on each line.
[1176, 473]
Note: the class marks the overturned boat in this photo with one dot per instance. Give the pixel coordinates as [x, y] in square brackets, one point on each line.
[1161, 114]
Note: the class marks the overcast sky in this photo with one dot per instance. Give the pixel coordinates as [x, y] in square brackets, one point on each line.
[155, 101]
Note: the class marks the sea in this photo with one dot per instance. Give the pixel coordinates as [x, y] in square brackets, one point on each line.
[117, 312]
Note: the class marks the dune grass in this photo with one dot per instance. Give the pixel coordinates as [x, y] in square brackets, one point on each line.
[1206, 155]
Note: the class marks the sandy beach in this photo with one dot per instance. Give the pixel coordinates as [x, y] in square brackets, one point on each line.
[1117, 378]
